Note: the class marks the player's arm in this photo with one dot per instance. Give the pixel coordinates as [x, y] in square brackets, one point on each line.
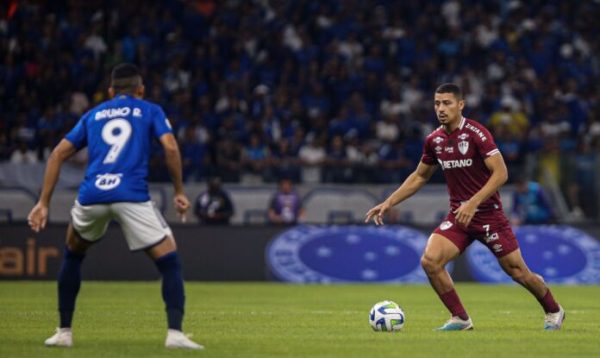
[173, 160]
[38, 216]
[499, 176]
[409, 187]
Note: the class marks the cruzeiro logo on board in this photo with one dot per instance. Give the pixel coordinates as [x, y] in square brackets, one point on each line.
[561, 254]
[347, 254]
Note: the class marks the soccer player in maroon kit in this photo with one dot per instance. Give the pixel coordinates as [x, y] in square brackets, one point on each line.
[474, 170]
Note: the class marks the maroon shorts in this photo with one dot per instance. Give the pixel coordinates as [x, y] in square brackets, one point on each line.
[491, 228]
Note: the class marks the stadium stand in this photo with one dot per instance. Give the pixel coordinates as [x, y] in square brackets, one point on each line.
[334, 204]
[16, 203]
[250, 204]
[338, 87]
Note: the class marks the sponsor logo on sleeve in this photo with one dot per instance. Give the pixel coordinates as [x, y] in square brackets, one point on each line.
[477, 131]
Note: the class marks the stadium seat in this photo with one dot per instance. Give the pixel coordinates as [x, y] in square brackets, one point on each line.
[425, 207]
[18, 201]
[337, 217]
[6, 215]
[60, 206]
[320, 202]
[255, 217]
[249, 199]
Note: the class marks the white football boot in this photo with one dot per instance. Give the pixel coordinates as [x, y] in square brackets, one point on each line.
[457, 324]
[62, 338]
[177, 339]
[553, 321]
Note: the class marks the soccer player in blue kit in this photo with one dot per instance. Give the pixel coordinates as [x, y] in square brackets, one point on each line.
[118, 135]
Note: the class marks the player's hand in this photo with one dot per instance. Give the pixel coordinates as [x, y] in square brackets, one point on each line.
[376, 213]
[465, 212]
[38, 216]
[182, 204]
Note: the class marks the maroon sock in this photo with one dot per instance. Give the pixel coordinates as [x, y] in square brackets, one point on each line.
[549, 304]
[453, 304]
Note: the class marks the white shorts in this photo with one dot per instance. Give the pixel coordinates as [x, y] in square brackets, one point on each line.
[142, 223]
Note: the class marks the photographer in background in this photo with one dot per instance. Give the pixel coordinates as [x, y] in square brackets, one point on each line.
[530, 204]
[214, 207]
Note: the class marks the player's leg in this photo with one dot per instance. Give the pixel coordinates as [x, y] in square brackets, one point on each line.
[167, 261]
[439, 251]
[145, 229]
[91, 222]
[69, 277]
[514, 265]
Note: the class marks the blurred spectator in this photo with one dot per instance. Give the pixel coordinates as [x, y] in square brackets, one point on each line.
[336, 167]
[292, 69]
[312, 155]
[228, 160]
[214, 207]
[255, 158]
[387, 130]
[530, 204]
[393, 164]
[285, 162]
[514, 121]
[550, 171]
[511, 147]
[23, 155]
[193, 154]
[580, 178]
[286, 205]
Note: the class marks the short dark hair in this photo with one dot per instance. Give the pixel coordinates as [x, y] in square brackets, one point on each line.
[450, 88]
[125, 77]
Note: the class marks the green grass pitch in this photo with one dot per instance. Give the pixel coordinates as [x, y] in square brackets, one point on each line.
[277, 320]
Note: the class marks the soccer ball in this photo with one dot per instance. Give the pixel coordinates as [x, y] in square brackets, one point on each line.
[386, 316]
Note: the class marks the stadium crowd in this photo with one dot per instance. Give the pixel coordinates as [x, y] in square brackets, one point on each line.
[315, 90]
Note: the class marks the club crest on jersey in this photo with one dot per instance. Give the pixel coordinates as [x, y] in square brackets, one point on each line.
[438, 140]
[445, 225]
[108, 181]
[463, 147]
[463, 136]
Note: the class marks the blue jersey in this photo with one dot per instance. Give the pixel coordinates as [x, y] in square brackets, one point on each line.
[118, 134]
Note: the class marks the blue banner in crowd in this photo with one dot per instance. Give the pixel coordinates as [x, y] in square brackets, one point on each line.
[561, 254]
[328, 254]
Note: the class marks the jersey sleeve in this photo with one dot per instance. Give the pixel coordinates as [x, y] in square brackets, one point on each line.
[160, 122]
[78, 135]
[485, 144]
[428, 156]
